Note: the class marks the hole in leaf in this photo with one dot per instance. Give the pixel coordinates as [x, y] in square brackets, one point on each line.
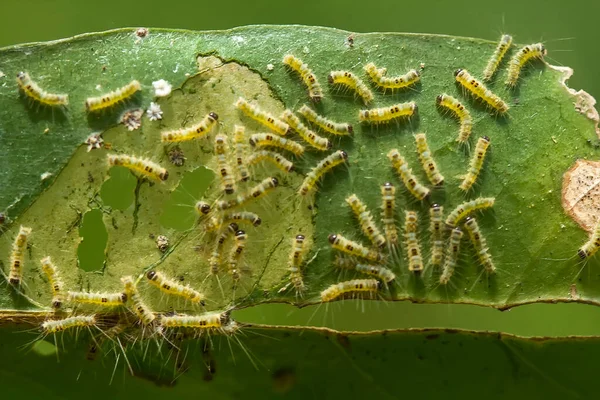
[179, 212]
[94, 237]
[118, 191]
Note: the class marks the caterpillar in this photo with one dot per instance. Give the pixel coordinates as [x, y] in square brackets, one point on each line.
[355, 286]
[589, 248]
[56, 284]
[379, 272]
[388, 197]
[256, 192]
[496, 59]
[522, 57]
[478, 90]
[411, 241]
[325, 165]
[265, 155]
[436, 228]
[295, 263]
[100, 299]
[268, 140]
[352, 82]
[429, 165]
[36, 93]
[170, 286]
[326, 125]
[216, 257]
[196, 131]
[476, 163]
[110, 99]
[262, 117]
[464, 209]
[306, 134]
[141, 310]
[480, 245]
[347, 246]
[226, 174]
[144, 167]
[408, 178]
[385, 115]
[463, 115]
[17, 256]
[378, 77]
[243, 216]
[60, 325]
[212, 320]
[315, 92]
[202, 208]
[241, 152]
[365, 219]
[236, 254]
[452, 252]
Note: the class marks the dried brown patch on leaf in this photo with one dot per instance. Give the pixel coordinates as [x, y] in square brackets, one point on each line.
[584, 102]
[581, 193]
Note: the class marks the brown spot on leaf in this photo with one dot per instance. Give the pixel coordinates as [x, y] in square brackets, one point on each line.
[284, 380]
[344, 341]
[584, 103]
[581, 193]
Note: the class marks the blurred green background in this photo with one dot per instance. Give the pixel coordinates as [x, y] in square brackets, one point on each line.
[569, 31]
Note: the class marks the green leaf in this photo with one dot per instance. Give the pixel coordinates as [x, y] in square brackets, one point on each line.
[528, 232]
[289, 361]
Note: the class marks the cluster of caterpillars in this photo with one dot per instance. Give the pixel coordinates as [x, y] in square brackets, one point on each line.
[130, 299]
[234, 162]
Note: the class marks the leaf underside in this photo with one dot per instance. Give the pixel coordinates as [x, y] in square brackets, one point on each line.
[288, 362]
